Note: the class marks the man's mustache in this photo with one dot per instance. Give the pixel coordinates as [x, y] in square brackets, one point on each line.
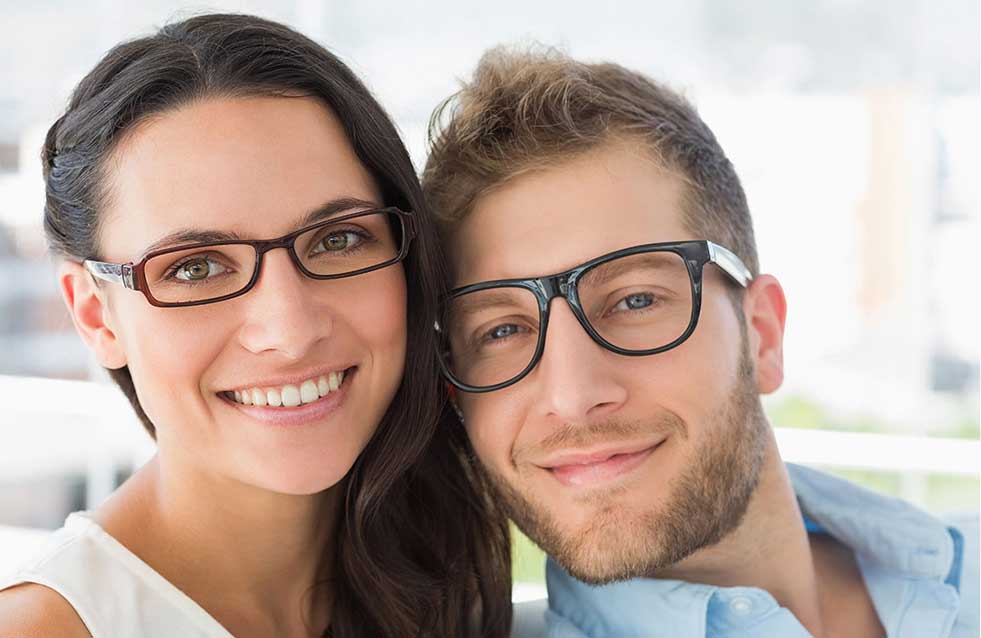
[584, 435]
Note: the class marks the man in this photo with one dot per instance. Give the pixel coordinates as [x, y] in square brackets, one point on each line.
[609, 337]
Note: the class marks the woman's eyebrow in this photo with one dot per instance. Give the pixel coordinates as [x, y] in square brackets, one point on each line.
[199, 236]
[190, 236]
[333, 207]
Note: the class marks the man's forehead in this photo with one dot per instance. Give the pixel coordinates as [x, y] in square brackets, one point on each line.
[553, 219]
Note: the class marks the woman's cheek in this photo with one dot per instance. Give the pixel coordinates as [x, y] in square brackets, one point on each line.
[383, 317]
[169, 358]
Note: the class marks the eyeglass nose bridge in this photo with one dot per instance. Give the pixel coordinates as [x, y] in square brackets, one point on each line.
[556, 286]
[264, 246]
[564, 285]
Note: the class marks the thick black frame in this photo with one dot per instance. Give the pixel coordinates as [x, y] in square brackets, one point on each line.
[695, 253]
[133, 276]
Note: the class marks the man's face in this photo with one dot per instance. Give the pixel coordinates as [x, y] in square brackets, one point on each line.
[617, 466]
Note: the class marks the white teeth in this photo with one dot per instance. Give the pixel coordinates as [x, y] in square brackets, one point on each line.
[290, 395]
[308, 392]
[273, 398]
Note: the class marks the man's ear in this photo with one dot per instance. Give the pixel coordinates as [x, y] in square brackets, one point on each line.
[451, 391]
[765, 309]
[90, 314]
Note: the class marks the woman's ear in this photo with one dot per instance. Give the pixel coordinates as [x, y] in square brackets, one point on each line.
[87, 305]
[765, 309]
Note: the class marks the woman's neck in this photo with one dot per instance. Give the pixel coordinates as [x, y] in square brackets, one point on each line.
[250, 557]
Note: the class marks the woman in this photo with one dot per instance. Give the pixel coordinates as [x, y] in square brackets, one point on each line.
[247, 251]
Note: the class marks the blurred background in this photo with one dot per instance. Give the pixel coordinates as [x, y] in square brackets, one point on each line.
[854, 127]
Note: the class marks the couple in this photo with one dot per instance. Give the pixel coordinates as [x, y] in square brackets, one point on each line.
[605, 340]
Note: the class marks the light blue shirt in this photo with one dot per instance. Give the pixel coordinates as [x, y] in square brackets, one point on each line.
[921, 573]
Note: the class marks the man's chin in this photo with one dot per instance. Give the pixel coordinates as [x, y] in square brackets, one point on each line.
[614, 546]
[598, 568]
[608, 537]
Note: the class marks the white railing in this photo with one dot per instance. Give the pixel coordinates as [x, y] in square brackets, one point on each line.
[880, 452]
[52, 426]
[49, 426]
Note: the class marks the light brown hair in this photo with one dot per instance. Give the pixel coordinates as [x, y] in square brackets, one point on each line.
[528, 109]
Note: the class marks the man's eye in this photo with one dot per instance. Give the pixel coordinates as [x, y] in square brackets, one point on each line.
[636, 301]
[198, 269]
[502, 331]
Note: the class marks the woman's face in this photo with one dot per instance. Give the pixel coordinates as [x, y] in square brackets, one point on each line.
[253, 167]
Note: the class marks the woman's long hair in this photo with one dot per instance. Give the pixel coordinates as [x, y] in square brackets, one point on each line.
[421, 548]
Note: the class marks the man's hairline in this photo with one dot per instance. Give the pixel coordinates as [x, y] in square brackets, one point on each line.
[449, 225]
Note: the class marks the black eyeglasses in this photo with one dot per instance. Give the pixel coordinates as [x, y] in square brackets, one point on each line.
[209, 272]
[636, 301]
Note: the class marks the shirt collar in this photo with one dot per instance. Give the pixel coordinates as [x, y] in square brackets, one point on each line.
[885, 534]
[663, 609]
[882, 531]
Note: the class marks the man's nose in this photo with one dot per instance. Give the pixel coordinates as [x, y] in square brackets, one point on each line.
[575, 378]
[282, 313]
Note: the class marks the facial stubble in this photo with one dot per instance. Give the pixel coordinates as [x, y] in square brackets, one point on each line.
[704, 503]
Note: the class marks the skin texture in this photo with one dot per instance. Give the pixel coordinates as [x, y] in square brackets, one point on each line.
[698, 505]
[255, 166]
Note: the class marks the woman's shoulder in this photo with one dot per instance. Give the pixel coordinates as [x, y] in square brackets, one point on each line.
[30, 609]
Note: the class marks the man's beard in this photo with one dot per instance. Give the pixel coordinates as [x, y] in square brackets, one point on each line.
[706, 502]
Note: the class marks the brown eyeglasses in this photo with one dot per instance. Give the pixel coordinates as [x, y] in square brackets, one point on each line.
[208, 272]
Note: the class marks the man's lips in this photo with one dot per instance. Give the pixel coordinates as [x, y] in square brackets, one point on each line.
[581, 469]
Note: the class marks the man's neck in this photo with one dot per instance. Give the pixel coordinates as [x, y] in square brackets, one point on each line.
[772, 550]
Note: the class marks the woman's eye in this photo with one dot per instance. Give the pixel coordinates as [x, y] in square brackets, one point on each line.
[198, 269]
[336, 242]
[636, 301]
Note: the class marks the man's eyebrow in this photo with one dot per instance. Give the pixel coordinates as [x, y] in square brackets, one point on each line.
[200, 236]
[492, 298]
[665, 260]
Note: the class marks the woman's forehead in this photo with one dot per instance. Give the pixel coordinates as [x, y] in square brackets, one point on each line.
[253, 166]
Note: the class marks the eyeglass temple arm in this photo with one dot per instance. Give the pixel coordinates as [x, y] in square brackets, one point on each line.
[730, 263]
[113, 273]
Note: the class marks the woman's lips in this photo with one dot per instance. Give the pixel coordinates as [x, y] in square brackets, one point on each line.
[593, 473]
[305, 414]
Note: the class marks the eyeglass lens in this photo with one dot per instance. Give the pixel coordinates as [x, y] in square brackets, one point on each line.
[203, 273]
[636, 302]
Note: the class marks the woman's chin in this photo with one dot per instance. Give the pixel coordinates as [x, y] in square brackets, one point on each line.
[297, 480]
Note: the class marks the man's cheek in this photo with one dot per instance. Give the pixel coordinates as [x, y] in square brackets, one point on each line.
[479, 439]
[489, 445]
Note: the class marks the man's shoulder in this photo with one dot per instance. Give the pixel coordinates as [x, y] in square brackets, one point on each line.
[529, 619]
[968, 526]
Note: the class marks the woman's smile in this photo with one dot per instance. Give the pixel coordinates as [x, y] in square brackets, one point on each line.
[290, 394]
[308, 403]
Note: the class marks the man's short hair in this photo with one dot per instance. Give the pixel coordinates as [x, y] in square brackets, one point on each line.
[529, 109]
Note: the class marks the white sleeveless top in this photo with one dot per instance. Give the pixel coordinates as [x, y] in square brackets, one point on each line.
[114, 592]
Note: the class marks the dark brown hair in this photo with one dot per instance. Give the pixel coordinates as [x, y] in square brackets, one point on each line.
[421, 547]
[529, 109]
